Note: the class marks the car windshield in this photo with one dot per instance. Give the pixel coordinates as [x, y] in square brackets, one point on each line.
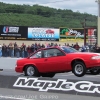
[68, 49]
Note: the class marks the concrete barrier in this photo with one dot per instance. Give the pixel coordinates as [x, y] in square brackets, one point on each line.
[8, 63]
[76, 87]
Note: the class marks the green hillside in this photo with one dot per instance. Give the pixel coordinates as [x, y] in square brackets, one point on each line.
[40, 16]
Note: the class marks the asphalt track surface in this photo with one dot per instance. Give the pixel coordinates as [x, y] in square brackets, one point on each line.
[12, 94]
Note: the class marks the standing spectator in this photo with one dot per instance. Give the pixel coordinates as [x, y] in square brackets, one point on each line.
[68, 45]
[59, 44]
[11, 49]
[28, 50]
[72, 45]
[42, 46]
[48, 45]
[35, 47]
[97, 49]
[15, 46]
[3, 49]
[83, 49]
[32, 48]
[65, 44]
[17, 51]
[76, 46]
[87, 47]
[7, 51]
[0, 50]
[39, 46]
[23, 50]
[52, 44]
[56, 44]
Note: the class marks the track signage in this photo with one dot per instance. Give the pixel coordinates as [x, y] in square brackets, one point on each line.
[58, 85]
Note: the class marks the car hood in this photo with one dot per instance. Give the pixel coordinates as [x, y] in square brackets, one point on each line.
[86, 53]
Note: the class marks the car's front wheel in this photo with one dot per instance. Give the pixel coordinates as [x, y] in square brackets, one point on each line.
[31, 71]
[79, 69]
[95, 71]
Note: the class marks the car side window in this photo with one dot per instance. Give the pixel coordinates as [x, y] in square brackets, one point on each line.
[52, 53]
[37, 55]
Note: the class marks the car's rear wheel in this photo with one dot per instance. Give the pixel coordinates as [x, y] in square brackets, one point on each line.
[31, 71]
[79, 69]
[48, 75]
[95, 71]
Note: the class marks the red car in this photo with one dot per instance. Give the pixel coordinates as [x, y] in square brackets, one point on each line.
[49, 31]
[47, 62]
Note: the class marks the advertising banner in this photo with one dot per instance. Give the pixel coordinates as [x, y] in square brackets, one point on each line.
[43, 34]
[13, 32]
[72, 35]
[92, 36]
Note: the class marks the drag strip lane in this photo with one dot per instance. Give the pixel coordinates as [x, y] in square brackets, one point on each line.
[66, 83]
[14, 98]
[34, 95]
[69, 75]
[9, 69]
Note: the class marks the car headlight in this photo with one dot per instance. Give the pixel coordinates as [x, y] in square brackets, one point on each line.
[95, 57]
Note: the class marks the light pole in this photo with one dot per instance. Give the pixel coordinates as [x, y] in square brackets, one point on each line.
[84, 26]
[98, 28]
[85, 31]
[98, 1]
[98, 8]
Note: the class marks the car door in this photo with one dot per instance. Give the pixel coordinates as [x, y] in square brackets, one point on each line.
[55, 60]
[37, 60]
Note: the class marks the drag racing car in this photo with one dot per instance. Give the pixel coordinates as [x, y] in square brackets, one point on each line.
[46, 62]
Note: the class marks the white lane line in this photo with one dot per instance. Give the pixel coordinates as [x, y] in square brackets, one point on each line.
[7, 97]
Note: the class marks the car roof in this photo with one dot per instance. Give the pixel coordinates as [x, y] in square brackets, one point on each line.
[49, 47]
[53, 47]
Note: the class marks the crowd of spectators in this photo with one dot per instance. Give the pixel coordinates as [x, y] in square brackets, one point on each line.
[13, 50]
[95, 48]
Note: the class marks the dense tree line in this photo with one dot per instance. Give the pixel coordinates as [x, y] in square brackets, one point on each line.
[40, 16]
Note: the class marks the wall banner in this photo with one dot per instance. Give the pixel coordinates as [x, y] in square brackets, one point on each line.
[43, 34]
[13, 32]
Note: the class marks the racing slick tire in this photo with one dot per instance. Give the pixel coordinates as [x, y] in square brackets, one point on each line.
[95, 71]
[31, 70]
[79, 69]
[48, 75]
